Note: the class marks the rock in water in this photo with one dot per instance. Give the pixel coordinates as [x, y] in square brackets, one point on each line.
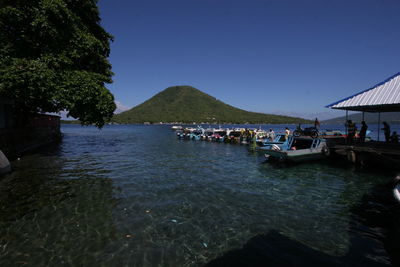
[5, 166]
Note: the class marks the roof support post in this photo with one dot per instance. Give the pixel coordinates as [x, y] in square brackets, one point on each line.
[363, 116]
[379, 123]
[347, 132]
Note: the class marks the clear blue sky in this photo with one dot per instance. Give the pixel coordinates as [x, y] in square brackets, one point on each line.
[278, 56]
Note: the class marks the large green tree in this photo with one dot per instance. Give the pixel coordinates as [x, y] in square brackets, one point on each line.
[54, 57]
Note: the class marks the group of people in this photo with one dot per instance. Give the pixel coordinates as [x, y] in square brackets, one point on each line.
[352, 129]
[351, 132]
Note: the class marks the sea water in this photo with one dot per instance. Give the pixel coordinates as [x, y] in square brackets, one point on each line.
[137, 196]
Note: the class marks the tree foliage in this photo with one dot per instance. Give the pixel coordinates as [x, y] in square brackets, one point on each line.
[53, 57]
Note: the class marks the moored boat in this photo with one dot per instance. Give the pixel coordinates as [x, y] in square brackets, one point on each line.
[279, 140]
[5, 166]
[299, 149]
[220, 135]
[176, 128]
[396, 192]
[207, 135]
[196, 134]
[185, 133]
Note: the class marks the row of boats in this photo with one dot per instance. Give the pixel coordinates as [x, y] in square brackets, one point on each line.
[235, 135]
[281, 146]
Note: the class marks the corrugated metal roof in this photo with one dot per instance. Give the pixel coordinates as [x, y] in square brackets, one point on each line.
[382, 97]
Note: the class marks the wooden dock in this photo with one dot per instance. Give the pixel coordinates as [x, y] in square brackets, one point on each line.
[375, 153]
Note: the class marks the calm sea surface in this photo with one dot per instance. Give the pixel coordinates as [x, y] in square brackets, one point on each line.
[137, 196]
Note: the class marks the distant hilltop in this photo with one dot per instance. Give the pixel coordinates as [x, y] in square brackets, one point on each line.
[186, 104]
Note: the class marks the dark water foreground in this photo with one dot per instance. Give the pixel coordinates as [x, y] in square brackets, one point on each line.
[137, 196]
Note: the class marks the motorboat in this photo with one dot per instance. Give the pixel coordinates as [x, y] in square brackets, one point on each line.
[396, 192]
[234, 136]
[5, 166]
[253, 136]
[220, 135]
[196, 134]
[299, 149]
[207, 135]
[185, 133]
[279, 140]
[176, 128]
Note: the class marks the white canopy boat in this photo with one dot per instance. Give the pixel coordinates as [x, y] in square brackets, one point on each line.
[396, 192]
[299, 149]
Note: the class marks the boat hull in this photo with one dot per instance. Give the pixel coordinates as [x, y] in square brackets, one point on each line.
[294, 156]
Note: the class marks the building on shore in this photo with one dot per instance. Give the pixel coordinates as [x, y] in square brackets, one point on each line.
[6, 113]
[38, 130]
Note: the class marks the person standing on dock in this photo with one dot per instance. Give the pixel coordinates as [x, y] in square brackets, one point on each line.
[363, 131]
[386, 131]
[316, 123]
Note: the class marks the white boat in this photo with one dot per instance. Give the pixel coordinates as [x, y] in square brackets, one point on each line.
[299, 149]
[208, 134]
[176, 127]
[5, 166]
[396, 192]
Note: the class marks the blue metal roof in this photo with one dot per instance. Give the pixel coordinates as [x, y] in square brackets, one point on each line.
[384, 96]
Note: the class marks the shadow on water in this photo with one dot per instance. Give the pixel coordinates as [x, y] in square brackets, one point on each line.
[376, 216]
[275, 249]
[380, 212]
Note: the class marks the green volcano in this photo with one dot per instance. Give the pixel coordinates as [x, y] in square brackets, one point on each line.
[187, 105]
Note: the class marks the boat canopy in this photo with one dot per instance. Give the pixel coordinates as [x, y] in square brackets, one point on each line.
[383, 97]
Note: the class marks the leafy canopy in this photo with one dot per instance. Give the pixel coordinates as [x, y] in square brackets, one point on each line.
[53, 57]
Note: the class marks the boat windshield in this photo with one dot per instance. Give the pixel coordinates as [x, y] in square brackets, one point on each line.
[281, 138]
[235, 134]
[221, 133]
[301, 143]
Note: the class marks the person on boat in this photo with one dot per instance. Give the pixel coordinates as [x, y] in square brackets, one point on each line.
[287, 133]
[394, 138]
[316, 123]
[271, 135]
[363, 131]
[351, 131]
[386, 131]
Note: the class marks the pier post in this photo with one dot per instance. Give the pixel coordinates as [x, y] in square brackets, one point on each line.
[5, 166]
[379, 123]
[347, 132]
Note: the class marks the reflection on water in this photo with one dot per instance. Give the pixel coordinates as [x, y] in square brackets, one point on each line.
[137, 196]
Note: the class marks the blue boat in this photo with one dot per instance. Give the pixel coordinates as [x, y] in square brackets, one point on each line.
[279, 141]
[196, 134]
[185, 133]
